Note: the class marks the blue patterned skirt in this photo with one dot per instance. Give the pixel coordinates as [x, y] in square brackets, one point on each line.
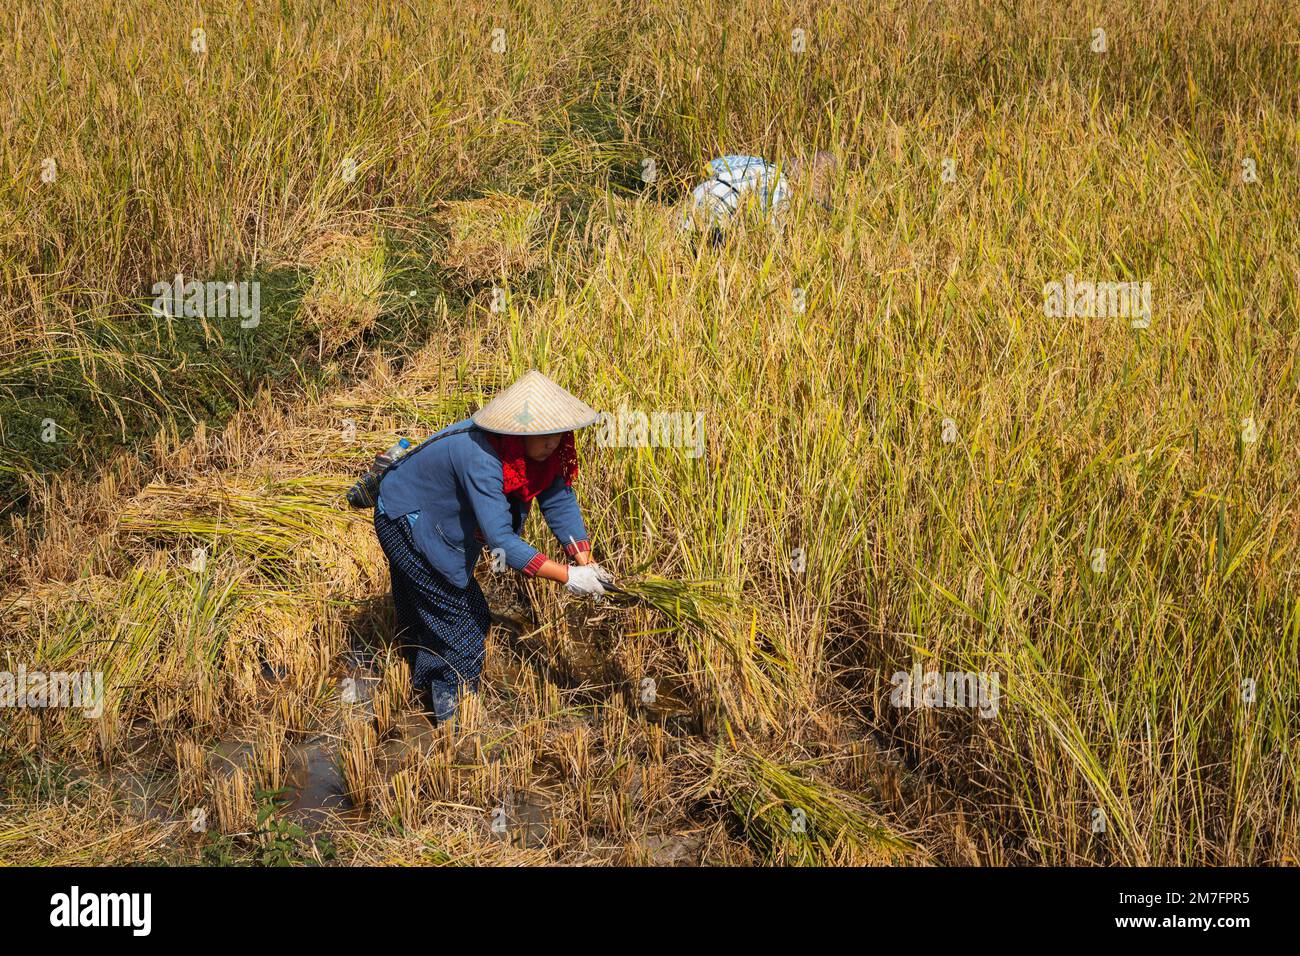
[441, 627]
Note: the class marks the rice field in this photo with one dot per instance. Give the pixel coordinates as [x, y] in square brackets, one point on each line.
[913, 467]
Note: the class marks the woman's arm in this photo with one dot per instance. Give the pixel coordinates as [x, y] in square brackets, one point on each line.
[480, 475]
[482, 479]
[554, 571]
[560, 508]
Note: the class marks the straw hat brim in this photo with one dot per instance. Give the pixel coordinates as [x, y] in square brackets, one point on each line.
[551, 431]
[534, 405]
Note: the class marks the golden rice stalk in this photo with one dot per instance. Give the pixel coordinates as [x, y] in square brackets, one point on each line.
[390, 695]
[360, 774]
[400, 800]
[441, 777]
[233, 796]
[191, 765]
[267, 762]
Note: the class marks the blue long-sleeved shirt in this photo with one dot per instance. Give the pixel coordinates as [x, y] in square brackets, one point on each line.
[455, 486]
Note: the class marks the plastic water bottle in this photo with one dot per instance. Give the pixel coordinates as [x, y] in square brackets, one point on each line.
[385, 461]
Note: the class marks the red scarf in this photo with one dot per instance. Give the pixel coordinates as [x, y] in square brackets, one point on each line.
[524, 478]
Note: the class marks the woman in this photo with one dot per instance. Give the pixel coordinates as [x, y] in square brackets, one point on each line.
[472, 485]
[736, 181]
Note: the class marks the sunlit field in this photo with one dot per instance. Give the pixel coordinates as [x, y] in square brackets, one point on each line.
[915, 459]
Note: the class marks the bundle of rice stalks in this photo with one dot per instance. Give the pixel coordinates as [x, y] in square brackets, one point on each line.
[689, 603]
[722, 649]
[492, 236]
[798, 820]
[274, 521]
[22, 607]
[349, 290]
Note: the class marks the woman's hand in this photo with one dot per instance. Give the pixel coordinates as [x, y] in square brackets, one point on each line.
[584, 571]
[588, 579]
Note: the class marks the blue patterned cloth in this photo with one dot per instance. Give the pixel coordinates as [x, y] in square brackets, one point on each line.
[733, 182]
[441, 627]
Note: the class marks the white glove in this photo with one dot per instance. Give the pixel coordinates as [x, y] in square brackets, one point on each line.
[588, 579]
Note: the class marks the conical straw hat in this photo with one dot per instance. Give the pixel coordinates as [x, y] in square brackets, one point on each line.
[534, 405]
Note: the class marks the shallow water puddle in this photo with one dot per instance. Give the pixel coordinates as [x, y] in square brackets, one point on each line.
[314, 791]
[586, 662]
[524, 820]
[315, 782]
[415, 735]
[674, 849]
[232, 755]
